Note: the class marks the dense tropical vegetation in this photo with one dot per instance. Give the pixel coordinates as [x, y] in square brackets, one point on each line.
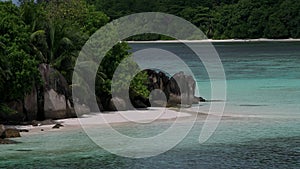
[52, 32]
[219, 19]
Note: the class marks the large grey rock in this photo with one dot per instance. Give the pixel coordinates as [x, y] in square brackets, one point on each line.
[55, 105]
[184, 86]
[53, 79]
[178, 89]
[174, 100]
[117, 104]
[81, 109]
[56, 89]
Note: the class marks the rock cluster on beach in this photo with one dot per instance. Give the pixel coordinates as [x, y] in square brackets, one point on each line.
[53, 100]
[50, 100]
[178, 90]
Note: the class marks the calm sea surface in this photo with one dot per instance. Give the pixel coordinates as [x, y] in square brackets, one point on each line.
[263, 80]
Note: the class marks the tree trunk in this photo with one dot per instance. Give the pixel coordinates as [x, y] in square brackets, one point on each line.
[24, 110]
[40, 103]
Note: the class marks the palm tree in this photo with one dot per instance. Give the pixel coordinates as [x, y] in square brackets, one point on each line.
[2, 76]
[56, 46]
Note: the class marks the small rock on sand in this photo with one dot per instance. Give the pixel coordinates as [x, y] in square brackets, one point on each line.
[23, 130]
[57, 126]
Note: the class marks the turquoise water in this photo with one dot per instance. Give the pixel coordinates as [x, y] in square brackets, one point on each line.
[262, 78]
[263, 81]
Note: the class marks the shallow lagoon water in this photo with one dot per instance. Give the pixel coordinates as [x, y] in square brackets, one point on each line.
[263, 81]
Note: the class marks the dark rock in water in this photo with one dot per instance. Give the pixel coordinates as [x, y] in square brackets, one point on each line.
[202, 99]
[57, 126]
[198, 99]
[11, 133]
[6, 141]
[117, 103]
[23, 150]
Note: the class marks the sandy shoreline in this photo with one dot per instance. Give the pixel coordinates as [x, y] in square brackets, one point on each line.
[217, 41]
[96, 119]
[123, 117]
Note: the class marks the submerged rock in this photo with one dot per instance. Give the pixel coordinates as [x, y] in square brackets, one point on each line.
[6, 141]
[198, 99]
[11, 133]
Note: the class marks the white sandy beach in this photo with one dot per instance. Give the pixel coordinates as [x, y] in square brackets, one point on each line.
[96, 119]
[216, 41]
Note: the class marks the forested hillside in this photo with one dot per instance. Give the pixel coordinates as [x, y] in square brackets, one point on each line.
[220, 19]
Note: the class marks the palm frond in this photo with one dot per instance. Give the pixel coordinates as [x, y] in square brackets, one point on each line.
[2, 45]
[36, 34]
[66, 41]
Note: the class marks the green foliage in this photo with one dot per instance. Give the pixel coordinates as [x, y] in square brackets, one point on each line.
[76, 13]
[218, 19]
[5, 110]
[54, 32]
[18, 69]
[138, 84]
[24, 74]
[108, 67]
